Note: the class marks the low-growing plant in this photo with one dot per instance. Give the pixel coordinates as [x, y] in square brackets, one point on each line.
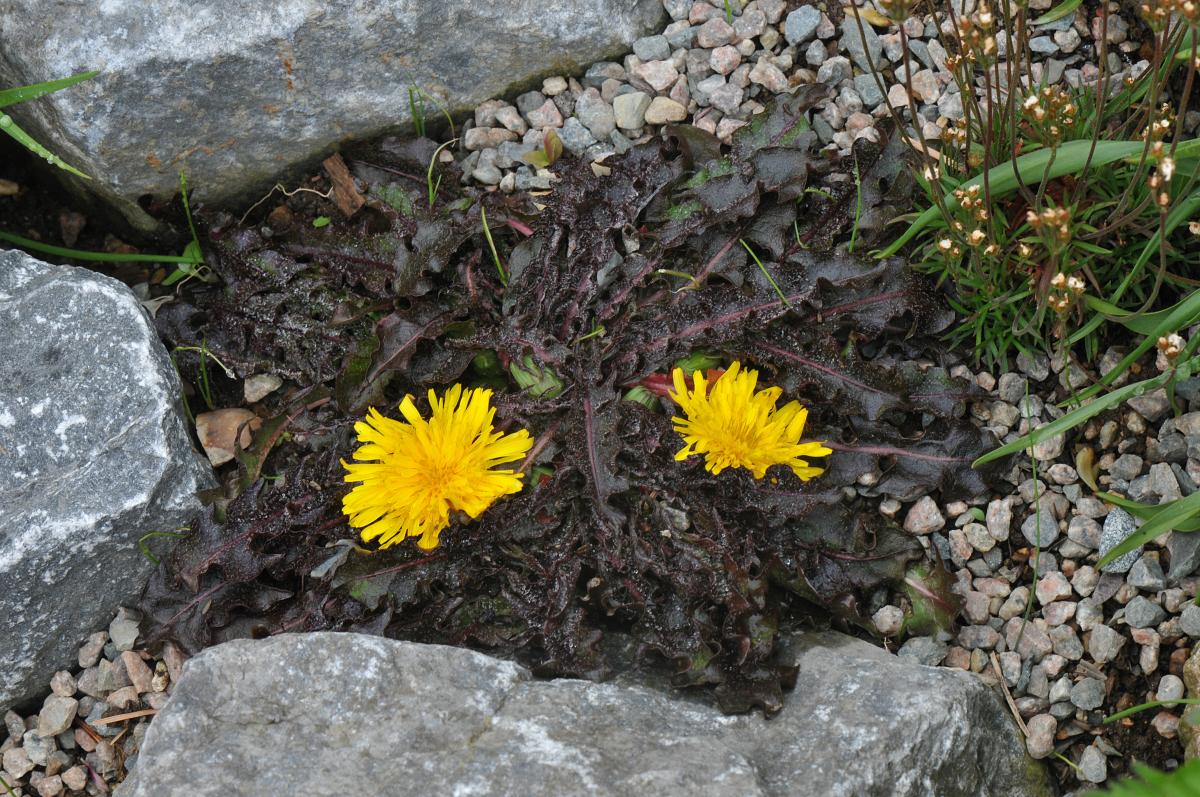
[613, 281]
[1052, 209]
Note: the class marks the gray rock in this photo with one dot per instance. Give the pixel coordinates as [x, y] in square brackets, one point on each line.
[630, 110]
[1036, 365]
[865, 52]
[868, 89]
[725, 98]
[1011, 388]
[294, 79]
[1147, 573]
[14, 725]
[1189, 621]
[1117, 526]
[1170, 687]
[1104, 643]
[1027, 639]
[56, 715]
[1084, 531]
[978, 637]
[924, 649]
[1126, 467]
[39, 748]
[575, 137]
[1143, 613]
[1040, 528]
[97, 713]
[1163, 482]
[456, 721]
[1066, 642]
[801, 24]
[530, 101]
[1106, 586]
[123, 630]
[1093, 766]
[16, 762]
[834, 70]
[652, 48]
[1043, 44]
[97, 455]
[1040, 738]
[1088, 693]
[1152, 406]
[595, 113]
[924, 517]
[999, 519]
[950, 105]
[1060, 690]
[679, 34]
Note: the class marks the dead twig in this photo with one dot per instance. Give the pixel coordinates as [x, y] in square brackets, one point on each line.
[1008, 695]
[129, 715]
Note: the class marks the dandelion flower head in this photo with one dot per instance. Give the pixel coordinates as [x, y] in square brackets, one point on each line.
[412, 473]
[734, 426]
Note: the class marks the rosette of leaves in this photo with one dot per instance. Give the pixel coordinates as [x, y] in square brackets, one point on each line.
[612, 279]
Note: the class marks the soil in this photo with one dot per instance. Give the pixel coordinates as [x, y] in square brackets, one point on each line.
[45, 210]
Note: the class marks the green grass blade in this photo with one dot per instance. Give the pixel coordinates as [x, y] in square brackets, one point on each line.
[762, 267]
[1184, 211]
[1129, 712]
[1146, 511]
[1185, 46]
[102, 257]
[1058, 12]
[1074, 418]
[1068, 158]
[8, 125]
[1151, 324]
[23, 93]
[1169, 518]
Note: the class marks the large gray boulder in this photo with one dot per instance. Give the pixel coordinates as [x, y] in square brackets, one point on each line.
[237, 91]
[94, 454]
[335, 714]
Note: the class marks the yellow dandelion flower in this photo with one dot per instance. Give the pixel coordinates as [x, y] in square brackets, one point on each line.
[735, 427]
[413, 473]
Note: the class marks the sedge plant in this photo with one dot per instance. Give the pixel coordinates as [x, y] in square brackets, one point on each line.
[1051, 210]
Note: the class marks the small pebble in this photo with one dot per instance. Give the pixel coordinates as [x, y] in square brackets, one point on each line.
[1170, 687]
[1093, 765]
[924, 517]
[1040, 735]
[89, 652]
[123, 630]
[1088, 693]
[1117, 526]
[1104, 643]
[888, 620]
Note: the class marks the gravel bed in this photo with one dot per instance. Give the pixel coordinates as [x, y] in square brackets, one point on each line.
[715, 74]
[65, 747]
[1071, 643]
